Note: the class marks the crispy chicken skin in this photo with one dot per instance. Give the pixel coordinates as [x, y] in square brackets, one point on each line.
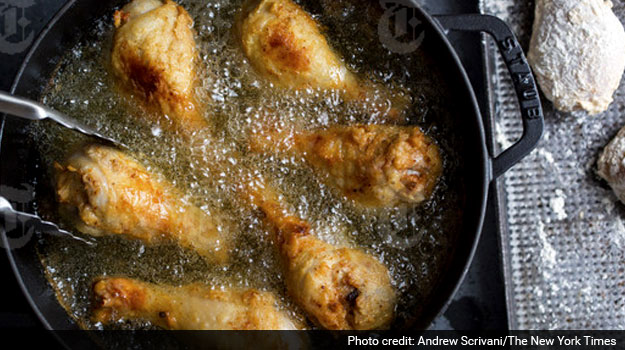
[189, 307]
[153, 57]
[284, 44]
[374, 165]
[106, 192]
[340, 288]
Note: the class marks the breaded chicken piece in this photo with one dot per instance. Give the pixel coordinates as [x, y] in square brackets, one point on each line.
[153, 56]
[189, 307]
[284, 44]
[611, 164]
[577, 52]
[340, 288]
[373, 165]
[106, 192]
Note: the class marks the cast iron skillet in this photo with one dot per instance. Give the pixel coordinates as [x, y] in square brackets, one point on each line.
[18, 164]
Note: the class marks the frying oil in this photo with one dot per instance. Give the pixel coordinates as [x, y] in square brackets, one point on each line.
[210, 169]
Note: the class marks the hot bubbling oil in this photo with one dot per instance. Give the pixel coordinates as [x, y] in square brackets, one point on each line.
[412, 244]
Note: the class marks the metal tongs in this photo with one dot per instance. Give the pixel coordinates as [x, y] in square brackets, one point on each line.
[31, 110]
[10, 215]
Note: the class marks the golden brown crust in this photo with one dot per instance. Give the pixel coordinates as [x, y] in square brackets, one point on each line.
[284, 44]
[153, 57]
[192, 307]
[339, 288]
[282, 48]
[116, 296]
[107, 192]
[374, 165]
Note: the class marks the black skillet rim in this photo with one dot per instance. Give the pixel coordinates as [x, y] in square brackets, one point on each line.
[447, 287]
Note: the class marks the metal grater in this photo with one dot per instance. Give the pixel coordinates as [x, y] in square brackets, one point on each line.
[564, 242]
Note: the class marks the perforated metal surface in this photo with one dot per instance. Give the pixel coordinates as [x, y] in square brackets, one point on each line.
[565, 237]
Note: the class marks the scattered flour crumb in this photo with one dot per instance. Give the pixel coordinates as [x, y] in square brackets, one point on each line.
[547, 253]
[617, 235]
[547, 155]
[608, 204]
[501, 138]
[557, 205]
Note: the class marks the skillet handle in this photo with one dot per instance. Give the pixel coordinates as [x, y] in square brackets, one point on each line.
[523, 80]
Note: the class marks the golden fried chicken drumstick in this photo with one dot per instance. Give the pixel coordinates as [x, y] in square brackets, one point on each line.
[374, 165]
[106, 192]
[189, 307]
[154, 55]
[340, 288]
[284, 44]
